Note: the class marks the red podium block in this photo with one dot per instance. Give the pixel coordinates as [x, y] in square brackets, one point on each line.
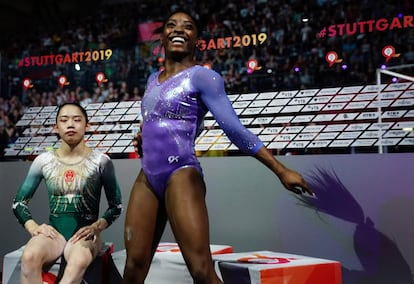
[266, 267]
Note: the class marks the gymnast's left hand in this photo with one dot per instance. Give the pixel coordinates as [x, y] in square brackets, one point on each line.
[87, 233]
[294, 182]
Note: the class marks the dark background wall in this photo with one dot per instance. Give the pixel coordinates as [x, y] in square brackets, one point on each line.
[362, 215]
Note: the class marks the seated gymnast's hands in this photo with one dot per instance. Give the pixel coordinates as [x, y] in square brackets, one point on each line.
[46, 230]
[293, 181]
[85, 233]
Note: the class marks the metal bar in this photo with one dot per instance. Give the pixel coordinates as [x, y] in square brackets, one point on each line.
[379, 71]
[391, 73]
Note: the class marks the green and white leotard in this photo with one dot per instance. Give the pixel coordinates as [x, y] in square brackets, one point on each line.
[74, 191]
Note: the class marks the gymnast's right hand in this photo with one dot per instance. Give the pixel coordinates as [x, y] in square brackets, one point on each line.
[137, 142]
[46, 230]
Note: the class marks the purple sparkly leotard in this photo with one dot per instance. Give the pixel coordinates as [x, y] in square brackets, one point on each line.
[173, 112]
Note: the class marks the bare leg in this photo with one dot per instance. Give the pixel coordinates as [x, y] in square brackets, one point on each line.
[144, 224]
[79, 256]
[39, 252]
[187, 212]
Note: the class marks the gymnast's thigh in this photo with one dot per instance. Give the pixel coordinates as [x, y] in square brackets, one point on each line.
[48, 249]
[187, 212]
[145, 219]
[83, 249]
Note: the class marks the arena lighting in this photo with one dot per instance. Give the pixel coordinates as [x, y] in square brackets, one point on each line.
[63, 81]
[388, 52]
[207, 65]
[100, 78]
[332, 57]
[252, 65]
[77, 67]
[27, 83]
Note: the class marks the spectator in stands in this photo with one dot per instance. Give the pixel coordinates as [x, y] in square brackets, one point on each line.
[170, 185]
[281, 23]
[4, 139]
[74, 175]
[4, 105]
[10, 129]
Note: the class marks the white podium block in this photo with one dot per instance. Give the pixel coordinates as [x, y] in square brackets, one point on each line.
[168, 264]
[266, 267]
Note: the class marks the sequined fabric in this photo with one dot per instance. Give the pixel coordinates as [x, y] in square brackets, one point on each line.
[173, 112]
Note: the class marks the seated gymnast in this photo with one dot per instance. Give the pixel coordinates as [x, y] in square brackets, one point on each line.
[74, 175]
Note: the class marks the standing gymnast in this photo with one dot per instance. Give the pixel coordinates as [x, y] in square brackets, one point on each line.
[170, 185]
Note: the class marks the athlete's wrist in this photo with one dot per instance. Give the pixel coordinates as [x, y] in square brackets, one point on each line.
[100, 225]
[31, 226]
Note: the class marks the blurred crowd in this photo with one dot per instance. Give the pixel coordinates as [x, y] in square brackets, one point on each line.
[292, 57]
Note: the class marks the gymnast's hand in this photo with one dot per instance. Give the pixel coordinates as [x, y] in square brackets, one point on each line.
[45, 230]
[293, 181]
[137, 142]
[85, 233]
